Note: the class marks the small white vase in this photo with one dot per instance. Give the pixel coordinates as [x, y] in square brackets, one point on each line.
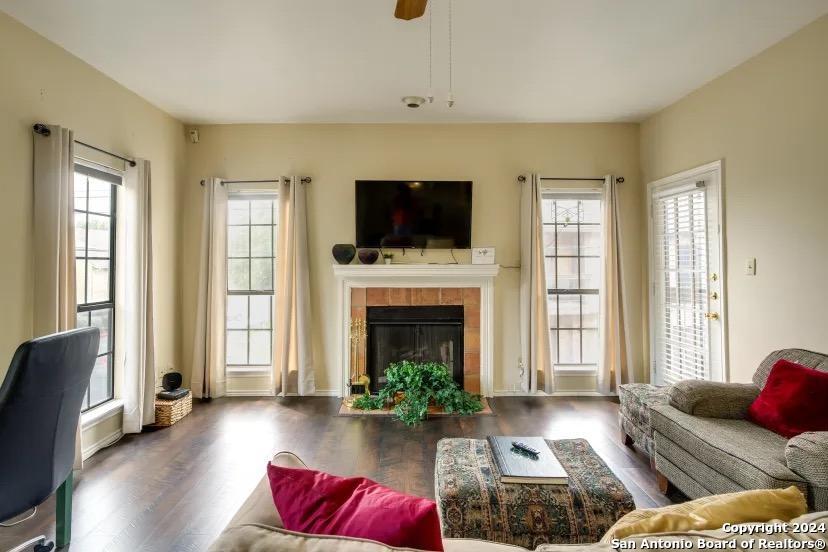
[388, 261]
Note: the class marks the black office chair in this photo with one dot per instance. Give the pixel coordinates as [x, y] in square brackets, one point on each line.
[40, 404]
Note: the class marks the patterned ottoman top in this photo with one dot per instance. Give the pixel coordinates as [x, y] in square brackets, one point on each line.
[473, 503]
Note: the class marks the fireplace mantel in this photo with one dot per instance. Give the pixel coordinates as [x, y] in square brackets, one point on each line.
[418, 276]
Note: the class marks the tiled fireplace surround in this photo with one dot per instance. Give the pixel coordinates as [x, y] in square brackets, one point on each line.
[469, 298]
[472, 286]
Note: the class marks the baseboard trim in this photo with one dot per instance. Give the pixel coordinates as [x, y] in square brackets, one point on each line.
[581, 394]
[507, 393]
[326, 393]
[110, 439]
[250, 393]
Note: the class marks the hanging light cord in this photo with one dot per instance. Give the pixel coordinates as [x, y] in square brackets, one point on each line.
[451, 57]
[430, 88]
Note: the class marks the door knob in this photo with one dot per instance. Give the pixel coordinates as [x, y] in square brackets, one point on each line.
[712, 315]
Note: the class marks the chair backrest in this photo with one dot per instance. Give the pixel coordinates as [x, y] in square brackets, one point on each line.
[40, 404]
[817, 361]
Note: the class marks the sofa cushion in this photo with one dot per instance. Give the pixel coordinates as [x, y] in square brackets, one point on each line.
[315, 502]
[807, 455]
[792, 401]
[712, 399]
[749, 455]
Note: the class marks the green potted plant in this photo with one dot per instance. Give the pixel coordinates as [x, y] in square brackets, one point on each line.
[418, 384]
[387, 257]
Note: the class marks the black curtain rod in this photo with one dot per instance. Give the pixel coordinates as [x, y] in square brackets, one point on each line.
[304, 180]
[43, 130]
[619, 179]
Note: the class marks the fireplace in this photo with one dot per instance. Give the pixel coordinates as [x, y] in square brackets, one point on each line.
[416, 333]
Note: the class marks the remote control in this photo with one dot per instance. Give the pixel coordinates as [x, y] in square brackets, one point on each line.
[525, 448]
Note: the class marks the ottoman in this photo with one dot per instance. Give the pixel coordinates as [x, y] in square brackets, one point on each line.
[634, 413]
[474, 504]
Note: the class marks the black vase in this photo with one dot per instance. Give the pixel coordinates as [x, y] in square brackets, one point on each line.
[368, 256]
[343, 253]
[171, 381]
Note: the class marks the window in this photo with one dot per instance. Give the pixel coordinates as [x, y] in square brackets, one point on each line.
[251, 245]
[95, 202]
[572, 247]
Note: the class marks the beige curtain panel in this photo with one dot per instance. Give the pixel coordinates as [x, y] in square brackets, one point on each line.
[138, 389]
[208, 378]
[292, 354]
[536, 357]
[616, 366]
[55, 302]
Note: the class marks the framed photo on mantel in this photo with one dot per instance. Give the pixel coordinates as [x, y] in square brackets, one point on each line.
[483, 255]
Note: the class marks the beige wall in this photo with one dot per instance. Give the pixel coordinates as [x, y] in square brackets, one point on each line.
[768, 120]
[40, 82]
[490, 155]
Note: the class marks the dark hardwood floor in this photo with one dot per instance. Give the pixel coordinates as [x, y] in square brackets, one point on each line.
[175, 489]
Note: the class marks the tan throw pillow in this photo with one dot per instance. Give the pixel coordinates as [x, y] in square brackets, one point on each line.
[711, 512]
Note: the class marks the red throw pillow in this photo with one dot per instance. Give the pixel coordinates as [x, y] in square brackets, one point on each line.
[318, 503]
[792, 401]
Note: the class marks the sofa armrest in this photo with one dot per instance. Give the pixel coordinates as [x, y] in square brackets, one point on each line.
[711, 399]
[807, 456]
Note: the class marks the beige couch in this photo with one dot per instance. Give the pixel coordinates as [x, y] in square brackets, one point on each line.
[256, 527]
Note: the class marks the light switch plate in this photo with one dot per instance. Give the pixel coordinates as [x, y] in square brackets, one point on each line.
[750, 267]
[483, 255]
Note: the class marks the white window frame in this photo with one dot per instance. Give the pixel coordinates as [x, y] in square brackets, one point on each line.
[581, 369]
[653, 188]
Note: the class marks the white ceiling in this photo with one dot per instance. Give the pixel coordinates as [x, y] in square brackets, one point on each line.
[222, 61]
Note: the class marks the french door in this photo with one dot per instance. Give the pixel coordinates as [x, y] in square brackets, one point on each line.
[687, 330]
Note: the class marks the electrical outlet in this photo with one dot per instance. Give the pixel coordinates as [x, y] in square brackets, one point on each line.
[750, 267]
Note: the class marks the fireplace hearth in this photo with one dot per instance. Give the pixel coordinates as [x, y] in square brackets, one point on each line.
[415, 333]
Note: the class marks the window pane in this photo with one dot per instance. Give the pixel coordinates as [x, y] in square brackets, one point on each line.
[590, 273]
[549, 240]
[591, 211]
[589, 308]
[566, 211]
[80, 191]
[99, 235]
[261, 274]
[97, 281]
[237, 347]
[591, 346]
[85, 404]
[80, 234]
[237, 312]
[570, 311]
[238, 241]
[238, 212]
[99, 384]
[550, 272]
[80, 281]
[260, 347]
[260, 311]
[238, 274]
[82, 320]
[568, 273]
[102, 319]
[590, 240]
[552, 311]
[100, 198]
[567, 239]
[570, 347]
[547, 212]
[261, 211]
[553, 340]
[260, 241]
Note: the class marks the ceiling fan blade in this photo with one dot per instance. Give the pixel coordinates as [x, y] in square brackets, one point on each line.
[410, 9]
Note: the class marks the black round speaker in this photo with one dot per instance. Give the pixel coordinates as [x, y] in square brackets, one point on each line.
[171, 381]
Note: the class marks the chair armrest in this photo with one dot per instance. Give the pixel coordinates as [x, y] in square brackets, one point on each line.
[711, 399]
[807, 456]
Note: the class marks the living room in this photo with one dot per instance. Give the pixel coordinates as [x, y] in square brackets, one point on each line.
[371, 237]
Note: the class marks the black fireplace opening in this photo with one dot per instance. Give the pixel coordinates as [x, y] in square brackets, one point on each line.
[418, 334]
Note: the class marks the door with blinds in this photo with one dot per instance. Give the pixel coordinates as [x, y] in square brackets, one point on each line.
[686, 280]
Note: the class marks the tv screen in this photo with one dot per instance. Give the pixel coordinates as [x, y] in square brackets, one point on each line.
[421, 214]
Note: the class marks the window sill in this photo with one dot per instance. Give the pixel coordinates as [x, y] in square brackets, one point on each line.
[576, 370]
[247, 371]
[102, 412]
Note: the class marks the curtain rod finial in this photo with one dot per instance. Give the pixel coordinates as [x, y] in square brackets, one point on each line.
[620, 179]
[41, 129]
[521, 178]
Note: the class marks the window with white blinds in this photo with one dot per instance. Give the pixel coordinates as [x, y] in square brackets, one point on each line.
[680, 284]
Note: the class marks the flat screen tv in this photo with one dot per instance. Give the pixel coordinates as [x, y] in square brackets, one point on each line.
[421, 214]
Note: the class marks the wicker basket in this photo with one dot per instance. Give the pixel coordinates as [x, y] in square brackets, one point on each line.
[169, 412]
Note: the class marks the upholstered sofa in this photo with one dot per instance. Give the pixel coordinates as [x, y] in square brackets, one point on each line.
[257, 527]
[704, 443]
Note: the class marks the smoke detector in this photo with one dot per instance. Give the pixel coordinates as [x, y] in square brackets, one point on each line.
[413, 101]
